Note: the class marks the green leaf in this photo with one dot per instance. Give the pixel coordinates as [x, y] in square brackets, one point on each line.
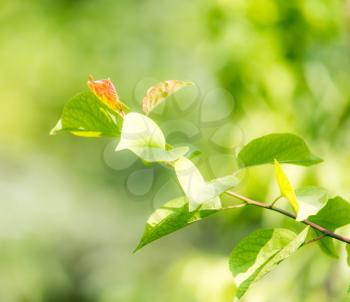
[260, 252]
[142, 136]
[169, 218]
[85, 115]
[199, 191]
[159, 92]
[310, 199]
[285, 187]
[327, 246]
[285, 147]
[335, 214]
[348, 251]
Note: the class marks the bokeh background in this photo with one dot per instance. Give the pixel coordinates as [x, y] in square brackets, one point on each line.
[72, 210]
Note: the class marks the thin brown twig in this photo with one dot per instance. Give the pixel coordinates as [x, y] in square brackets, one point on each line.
[271, 207]
[315, 239]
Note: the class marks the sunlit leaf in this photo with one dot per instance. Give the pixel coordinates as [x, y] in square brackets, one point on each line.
[199, 191]
[85, 115]
[169, 218]
[193, 184]
[142, 136]
[285, 147]
[285, 187]
[348, 252]
[335, 214]
[260, 252]
[106, 92]
[311, 200]
[159, 92]
[172, 216]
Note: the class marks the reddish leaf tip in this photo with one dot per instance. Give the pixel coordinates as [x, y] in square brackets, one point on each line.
[106, 92]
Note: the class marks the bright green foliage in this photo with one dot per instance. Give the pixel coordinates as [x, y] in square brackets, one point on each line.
[85, 115]
[159, 92]
[142, 136]
[335, 214]
[285, 186]
[169, 218]
[310, 199]
[260, 252]
[198, 191]
[284, 147]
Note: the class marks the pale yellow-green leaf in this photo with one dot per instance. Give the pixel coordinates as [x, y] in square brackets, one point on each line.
[159, 92]
[198, 191]
[260, 252]
[311, 199]
[285, 186]
[142, 136]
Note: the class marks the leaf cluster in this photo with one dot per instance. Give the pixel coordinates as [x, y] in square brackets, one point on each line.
[101, 113]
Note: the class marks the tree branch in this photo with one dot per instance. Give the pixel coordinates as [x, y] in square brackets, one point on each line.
[271, 207]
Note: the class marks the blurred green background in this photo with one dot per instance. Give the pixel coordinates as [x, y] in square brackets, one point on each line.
[72, 210]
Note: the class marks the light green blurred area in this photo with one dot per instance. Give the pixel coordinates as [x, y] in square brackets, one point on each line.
[72, 210]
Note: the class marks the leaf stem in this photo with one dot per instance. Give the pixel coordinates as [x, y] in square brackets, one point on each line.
[271, 207]
[275, 200]
[315, 239]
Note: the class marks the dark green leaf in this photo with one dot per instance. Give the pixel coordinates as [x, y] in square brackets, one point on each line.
[284, 147]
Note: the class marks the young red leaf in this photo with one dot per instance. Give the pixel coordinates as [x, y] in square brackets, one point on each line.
[106, 92]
